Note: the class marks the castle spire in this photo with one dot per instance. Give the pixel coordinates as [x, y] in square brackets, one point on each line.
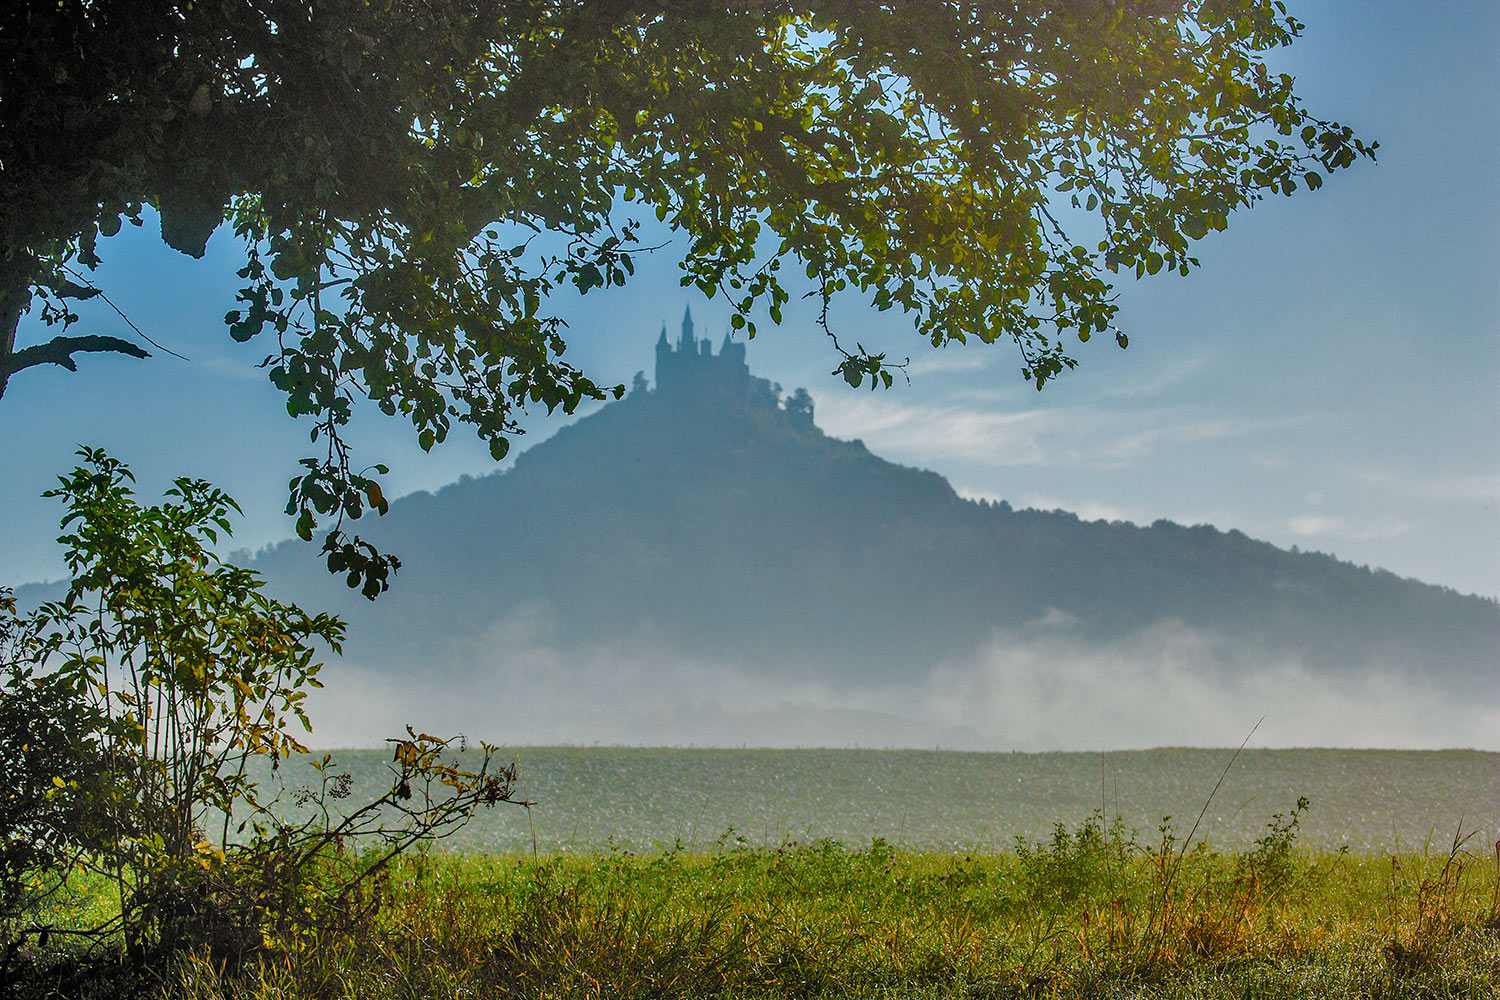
[687, 329]
[662, 340]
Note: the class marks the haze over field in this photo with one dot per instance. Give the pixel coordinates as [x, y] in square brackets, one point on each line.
[1034, 695]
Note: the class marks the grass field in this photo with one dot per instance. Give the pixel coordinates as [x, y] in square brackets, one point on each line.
[1095, 912]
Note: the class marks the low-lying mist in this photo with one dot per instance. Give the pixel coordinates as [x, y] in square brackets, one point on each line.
[1167, 685]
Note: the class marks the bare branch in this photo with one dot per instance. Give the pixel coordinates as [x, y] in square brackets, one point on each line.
[60, 351]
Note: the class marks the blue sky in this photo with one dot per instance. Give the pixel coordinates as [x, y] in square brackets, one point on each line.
[1330, 378]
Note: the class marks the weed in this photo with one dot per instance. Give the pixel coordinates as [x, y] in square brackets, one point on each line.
[1427, 910]
[1272, 864]
[1076, 864]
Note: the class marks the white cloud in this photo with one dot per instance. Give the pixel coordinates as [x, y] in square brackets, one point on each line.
[233, 368]
[1326, 526]
[951, 360]
[1078, 437]
[1263, 460]
[1464, 488]
[940, 433]
[1314, 525]
[1165, 377]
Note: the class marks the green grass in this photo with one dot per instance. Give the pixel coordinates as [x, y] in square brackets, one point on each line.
[1092, 913]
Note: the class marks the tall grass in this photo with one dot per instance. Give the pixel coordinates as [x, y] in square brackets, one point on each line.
[1093, 912]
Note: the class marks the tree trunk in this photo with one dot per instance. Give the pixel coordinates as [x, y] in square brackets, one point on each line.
[16, 276]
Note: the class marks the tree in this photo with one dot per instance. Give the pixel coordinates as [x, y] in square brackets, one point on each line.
[801, 404]
[411, 181]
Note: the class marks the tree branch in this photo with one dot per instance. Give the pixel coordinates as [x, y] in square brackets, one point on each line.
[60, 351]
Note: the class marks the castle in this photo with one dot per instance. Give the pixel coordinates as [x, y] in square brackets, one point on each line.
[692, 369]
[690, 373]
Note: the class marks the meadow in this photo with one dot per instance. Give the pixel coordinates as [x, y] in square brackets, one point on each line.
[1094, 910]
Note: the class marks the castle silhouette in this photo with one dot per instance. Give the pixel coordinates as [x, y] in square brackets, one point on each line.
[692, 369]
[689, 373]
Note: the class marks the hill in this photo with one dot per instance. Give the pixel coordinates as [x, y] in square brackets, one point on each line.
[712, 522]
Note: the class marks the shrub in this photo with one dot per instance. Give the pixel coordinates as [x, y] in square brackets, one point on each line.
[136, 707]
[51, 764]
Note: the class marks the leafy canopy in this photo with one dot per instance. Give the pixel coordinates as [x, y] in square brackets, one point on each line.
[986, 167]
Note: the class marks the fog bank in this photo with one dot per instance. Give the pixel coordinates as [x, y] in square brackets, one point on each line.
[1168, 685]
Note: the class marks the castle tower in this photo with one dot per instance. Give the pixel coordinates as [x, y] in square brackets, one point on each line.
[663, 355]
[686, 344]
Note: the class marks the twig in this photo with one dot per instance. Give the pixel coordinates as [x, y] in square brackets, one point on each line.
[110, 302]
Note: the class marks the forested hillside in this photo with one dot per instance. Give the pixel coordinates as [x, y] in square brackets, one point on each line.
[742, 534]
